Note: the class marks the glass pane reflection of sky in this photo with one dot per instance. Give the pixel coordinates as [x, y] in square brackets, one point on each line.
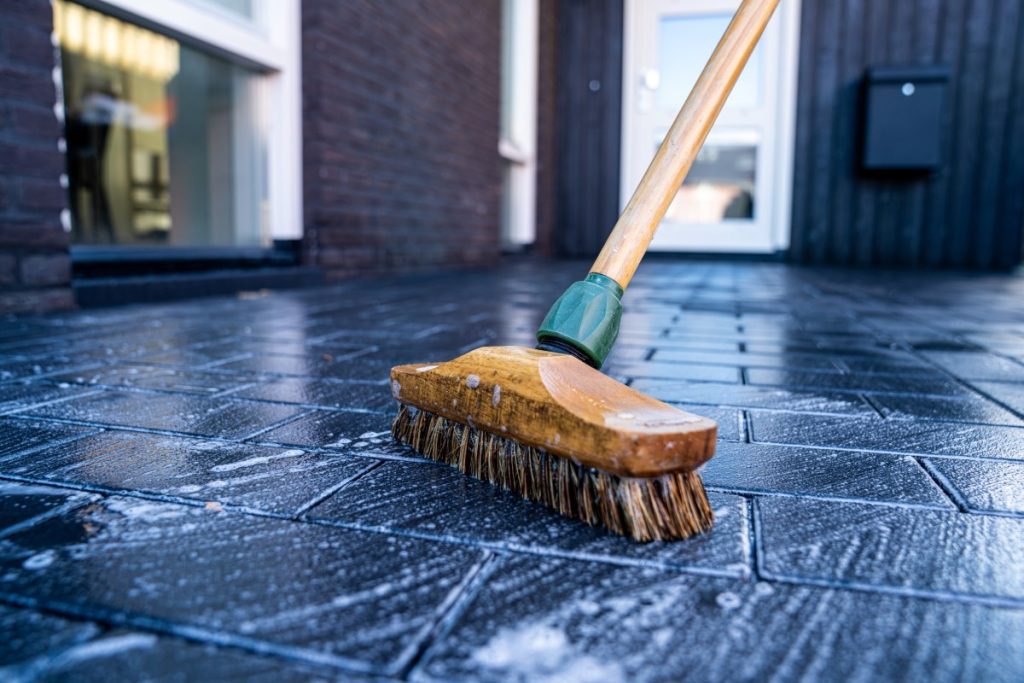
[684, 45]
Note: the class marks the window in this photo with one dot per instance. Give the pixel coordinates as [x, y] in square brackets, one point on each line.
[171, 135]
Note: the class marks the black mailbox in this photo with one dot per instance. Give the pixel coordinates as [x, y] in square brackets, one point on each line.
[903, 115]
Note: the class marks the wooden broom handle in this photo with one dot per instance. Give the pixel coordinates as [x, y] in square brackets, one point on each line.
[635, 228]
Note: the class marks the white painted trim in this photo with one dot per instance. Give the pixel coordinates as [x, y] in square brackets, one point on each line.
[783, 135]
[270, 43]
[518, 147]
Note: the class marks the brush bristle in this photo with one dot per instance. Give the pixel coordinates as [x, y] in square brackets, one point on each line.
[667, 507]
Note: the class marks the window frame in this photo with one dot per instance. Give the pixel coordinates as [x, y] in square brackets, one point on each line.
[269, 43]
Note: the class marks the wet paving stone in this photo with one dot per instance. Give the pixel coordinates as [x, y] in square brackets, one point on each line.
[548, 619]
[224, 418]
[899, 549]
[353, 600]
[756, 468]
[1012, 395]
[962, 409]
[746, 396]
[29, 635]
[985, 485]
[896, 436]
[21, 504]
[984, 366]
[268, 479]
[363, 396]
[18, 436]
[313, 365]
[441, 502]
[344, 430]
[156, 377]
[138, 656]
[17, 396]
[934, 383]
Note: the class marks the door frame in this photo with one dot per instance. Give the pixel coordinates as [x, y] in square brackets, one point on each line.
[781, 167]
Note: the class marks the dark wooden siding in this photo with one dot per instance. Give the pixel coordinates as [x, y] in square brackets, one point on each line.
[589, 123]
[970, 213]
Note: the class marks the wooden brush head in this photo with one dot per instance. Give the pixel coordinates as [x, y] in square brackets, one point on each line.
[557, 403]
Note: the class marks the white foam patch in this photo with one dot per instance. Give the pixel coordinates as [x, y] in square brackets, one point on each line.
[543, 654]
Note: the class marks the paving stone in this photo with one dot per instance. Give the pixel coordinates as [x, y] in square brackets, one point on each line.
[897, 436]
[31, 368]
[270, 479]
[17, 436]
[965, 409]
[21, 504]
[225, 418]
[682, 371]
[1011, 395]
[747, 396]
[29, 634]
[730, 421]
[900, 549]
[308, 366]
[756, 468]
[440, 501]
[365, 396]
[124, 655]
[902, 384]
[354, 600]
[157, 377]
[358, 431]
[15, 396]
[748, 360]
[985, 485]
[978, 365]
[548, 619]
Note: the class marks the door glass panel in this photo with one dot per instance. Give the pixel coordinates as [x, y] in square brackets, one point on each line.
[164, 142]
[684, 45]
[720, 185]
[240, 7]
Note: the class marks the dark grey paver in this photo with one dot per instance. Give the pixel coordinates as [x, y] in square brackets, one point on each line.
[747, 396]
[17, 396]
[17, 435]
[158, 377]
[272, 479]
[310, 365]
[363, 396]
[440, 501]
[898, 436]
[893, 548]
[973, 365]
[562, 620]
[985, 485]
[935, 383]
[758, 468]
[345, 598]
[21, 504]
[335, 429]
[1010, 394]
[225, 418]
[29, 634]
[965, 409]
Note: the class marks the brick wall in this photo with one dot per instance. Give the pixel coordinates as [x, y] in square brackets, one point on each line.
[400, 116]
[35, 268]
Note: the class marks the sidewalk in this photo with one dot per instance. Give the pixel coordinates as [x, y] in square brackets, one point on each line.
[208, 489]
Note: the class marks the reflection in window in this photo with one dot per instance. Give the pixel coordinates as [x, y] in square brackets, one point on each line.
[163, 144]
[684, 44]
[719, 186]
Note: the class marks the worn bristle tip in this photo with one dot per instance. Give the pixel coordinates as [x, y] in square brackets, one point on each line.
[668, 507]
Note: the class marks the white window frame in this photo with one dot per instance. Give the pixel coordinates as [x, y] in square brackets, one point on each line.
[271, 43]
[517, 146]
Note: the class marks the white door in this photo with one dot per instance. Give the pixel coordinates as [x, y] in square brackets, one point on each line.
[736, 197]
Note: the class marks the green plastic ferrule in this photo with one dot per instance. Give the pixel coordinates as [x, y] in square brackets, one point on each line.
[586, 318]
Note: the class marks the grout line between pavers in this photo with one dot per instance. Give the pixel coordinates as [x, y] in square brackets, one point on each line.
[446, 616]
[944, 485]
[829, 447]
[744, 492]
[331, 490]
